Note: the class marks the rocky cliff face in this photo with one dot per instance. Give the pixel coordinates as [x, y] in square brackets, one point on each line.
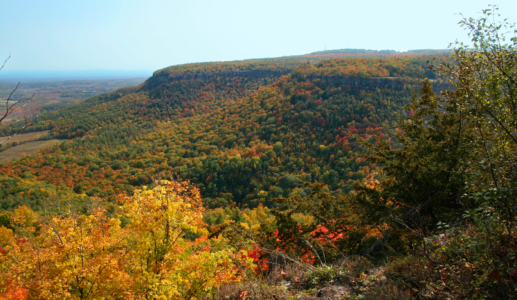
[156, 80]
[352, 83]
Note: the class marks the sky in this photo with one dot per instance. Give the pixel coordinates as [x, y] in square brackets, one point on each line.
[55, 35]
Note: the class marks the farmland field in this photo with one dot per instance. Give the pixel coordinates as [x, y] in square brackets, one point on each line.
[26, 149]
[25, 137]
[51, 96]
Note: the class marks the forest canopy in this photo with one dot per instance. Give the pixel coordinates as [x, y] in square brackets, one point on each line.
[379, 176]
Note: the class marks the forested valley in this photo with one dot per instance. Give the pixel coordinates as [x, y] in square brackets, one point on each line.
[341, 174]
[242, 137]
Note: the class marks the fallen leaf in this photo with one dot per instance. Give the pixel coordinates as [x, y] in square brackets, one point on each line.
[494, 275]
[243, 295]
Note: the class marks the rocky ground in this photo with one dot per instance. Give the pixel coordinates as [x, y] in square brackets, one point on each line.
[345, 279]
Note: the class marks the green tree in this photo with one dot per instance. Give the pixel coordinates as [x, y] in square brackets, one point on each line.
[455, 173]
[420, 182]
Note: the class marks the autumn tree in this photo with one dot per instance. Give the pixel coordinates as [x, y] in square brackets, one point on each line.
[455, 173]
[97, 256]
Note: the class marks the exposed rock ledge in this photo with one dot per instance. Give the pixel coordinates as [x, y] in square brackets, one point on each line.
[363, 83]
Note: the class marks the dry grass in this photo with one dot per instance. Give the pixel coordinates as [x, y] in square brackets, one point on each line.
[26, 149]
[251, 290]
[388, 291]
[31, 136]
[277, 285]
[351, 278]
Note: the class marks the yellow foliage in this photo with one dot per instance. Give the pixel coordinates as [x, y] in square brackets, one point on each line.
[257, 216]
[262, 193]
[93, 257]
[6, 237]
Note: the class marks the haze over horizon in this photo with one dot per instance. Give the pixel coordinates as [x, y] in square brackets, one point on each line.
[26, 76]
[137, 35]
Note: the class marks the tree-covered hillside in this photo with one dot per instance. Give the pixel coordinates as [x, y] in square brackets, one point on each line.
[341, 178]
[178, 88]
[243, 132]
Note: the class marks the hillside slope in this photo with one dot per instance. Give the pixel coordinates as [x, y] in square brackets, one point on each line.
[173, 89]
[243, 132]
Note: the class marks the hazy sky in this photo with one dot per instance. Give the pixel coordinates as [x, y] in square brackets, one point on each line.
[152, 34]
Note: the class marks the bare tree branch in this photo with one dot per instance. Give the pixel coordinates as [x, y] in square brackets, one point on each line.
[9, 109]
[13, 106]
[21, 129]
[5, 62]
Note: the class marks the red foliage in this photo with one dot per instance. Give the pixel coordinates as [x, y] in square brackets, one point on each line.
[15, 293]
